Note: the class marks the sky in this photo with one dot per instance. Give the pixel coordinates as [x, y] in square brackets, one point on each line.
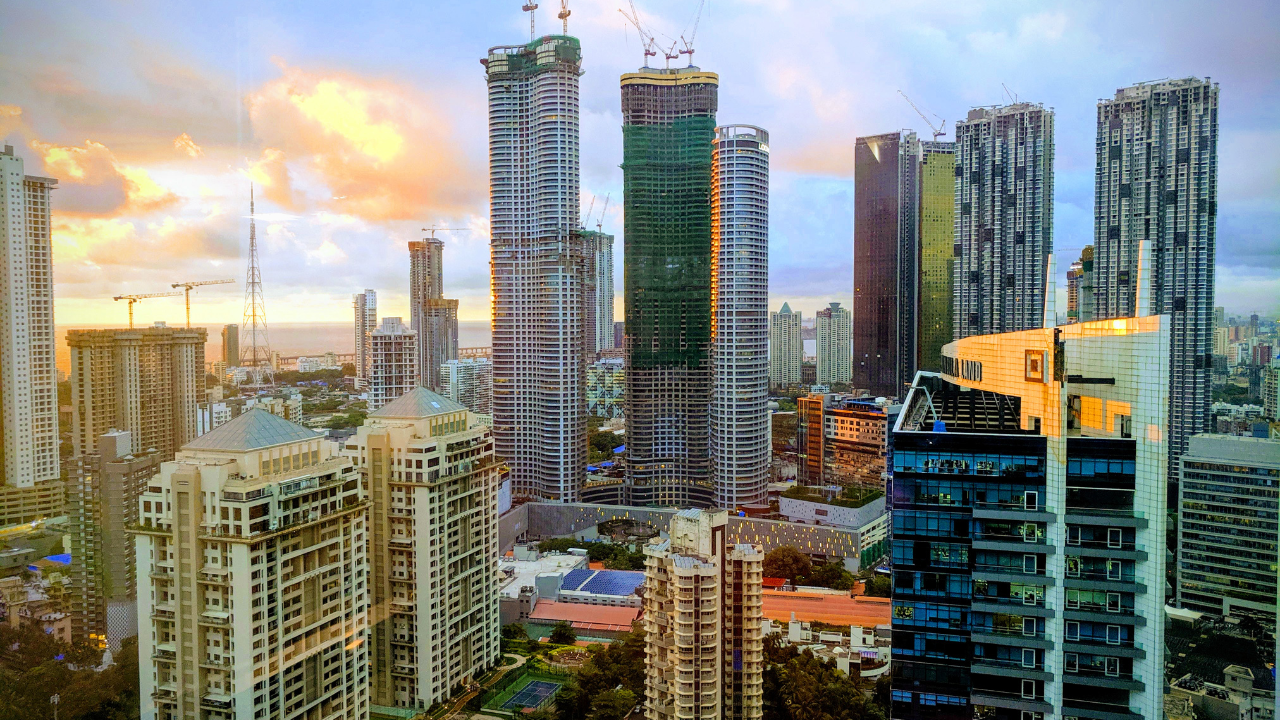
[361, 123]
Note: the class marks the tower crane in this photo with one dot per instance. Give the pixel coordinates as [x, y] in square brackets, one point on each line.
[586, 220]
[646, 38]
[135, 298]
[195, 284]
[600, 222]
[529, 7]
[439, 228]
[688, 44]
[564, 15]
[937, 131]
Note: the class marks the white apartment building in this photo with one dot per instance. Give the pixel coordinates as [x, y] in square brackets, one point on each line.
[703, 609]
[210, 415]
[366, 317]
[738, 430]
[470, 383]
[251, 573]
[393, 365]
[786, 347]
[430, 469]
[28, 383]
[835, 345]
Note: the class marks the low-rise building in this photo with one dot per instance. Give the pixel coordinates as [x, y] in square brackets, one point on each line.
[867, 515]
[843, 440]
[1241, 695]
[286, 404]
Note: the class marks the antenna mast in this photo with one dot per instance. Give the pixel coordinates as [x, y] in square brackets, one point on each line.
[257, 354]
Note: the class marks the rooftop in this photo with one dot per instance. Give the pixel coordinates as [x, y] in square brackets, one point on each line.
[586, 617]
[831, 609]
[524, 572]
[253, 430]
[417, 403]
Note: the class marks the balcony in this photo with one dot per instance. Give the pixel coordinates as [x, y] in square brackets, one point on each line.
[216, 701]
[1097, 678]
[214, 618]
[1111, 551]
[1098, 711]
[1012, 511]
[165, 651]
[1106, 517]
[1014, 668]
[163, 612]
[1014, 606]
[1011, 574]
[1009, 701]
[1090, 580]
[1092, 612]
[1013, 543]
[1093, 646]
[1011, 638]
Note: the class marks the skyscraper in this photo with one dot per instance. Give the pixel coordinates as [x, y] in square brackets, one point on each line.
[786, 347]
[539, 266]
[433, 538]
[1029, 527]
[1004, 218]
[432, 317]
[393, 365]
[668, 133]
[366, 309]
[600, 245]
[834, 360]
[1074, 274]
[252, 573]
[739, 415]
[469, 382]
[147, 381]
[703, 604]
[28, 383]
[1155, 229]
[230, 345]
[903, 257]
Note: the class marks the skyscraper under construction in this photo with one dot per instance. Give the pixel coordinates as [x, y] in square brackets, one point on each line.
[432, 317]
[668, 131]
[539, 266]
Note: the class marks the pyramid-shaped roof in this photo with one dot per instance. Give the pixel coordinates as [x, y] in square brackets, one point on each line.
[251, 430]
[786, 309]
[417, 403]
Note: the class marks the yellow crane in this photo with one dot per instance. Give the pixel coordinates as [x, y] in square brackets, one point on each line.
[135, 298]
[198, 283]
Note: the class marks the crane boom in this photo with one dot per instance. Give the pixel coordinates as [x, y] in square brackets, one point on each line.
[135, 298]
[195, 284]
[937, 131]
[600, 222]
[587, 219]
[647, 40]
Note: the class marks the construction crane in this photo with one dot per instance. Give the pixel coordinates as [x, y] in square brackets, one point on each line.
[564, 15]
[438, 228]
[600, 222]
[688, 44]
[529, 8]
[647, 40]
[937, 131]
[195, 284]
[586, 219]
[135, 298]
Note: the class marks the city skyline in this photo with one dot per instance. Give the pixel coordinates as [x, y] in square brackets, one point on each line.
[138, 206]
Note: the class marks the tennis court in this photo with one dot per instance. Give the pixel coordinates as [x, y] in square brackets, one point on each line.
[533, 695]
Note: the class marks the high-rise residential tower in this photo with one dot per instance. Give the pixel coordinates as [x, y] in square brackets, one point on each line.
[739, 415]
[1004, 218]
[600, 245]
[433, 539]
[366, 311]
[432, 317]
[703, 600]
[786, 347]
[393, 367]
[231, 345]
[252, 572]
[147, 381]
[903, 258]
[668, 134]
[1155, 230]
[1029, 527]
[539, 266]
[469, 382]
[834, 345]
[28, 382]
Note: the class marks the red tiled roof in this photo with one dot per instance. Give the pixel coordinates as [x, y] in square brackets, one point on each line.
[833, 609]
[586, 617]
[774, 582]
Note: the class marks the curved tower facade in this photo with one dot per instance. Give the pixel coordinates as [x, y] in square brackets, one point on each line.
[538, 266]
[739, 413]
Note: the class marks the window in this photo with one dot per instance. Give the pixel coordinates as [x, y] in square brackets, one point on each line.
[1113, 602]
[1029, 564]
[1029, 689]
[1073, 535]
[1073, 630]
[1073, 599]
[1113, 569]
[1113, 634]
[1029, 626]
[1073, 566]
[1031, 500]
[1071, 662]
[1112, 666]
[1028, 658]
[1114, 539]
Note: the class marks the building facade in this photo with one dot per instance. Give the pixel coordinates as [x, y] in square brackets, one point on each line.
[433, 478]
[539, 266]
[1155, 231]
[146, 381]
[1004, 218]
[28, 380]
[703, 610]
[607, 388]
[1227, 528]
[739, 413]
[366, 310]
[432, 318]
[668, 138]
[600, 245]
[844, 441]
[251, 573]
[470, 383]
[786, 347]
[936, 257]
[102, 504]
[393, 366]
[1029, 526]
[835, 365]
[230, 346]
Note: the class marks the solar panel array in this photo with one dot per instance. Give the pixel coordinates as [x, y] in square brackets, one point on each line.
[576, 578]
[614, 582]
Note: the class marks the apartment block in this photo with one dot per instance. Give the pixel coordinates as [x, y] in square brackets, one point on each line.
[843, 440]
[1004, 218]
[1029, 526]
[433, 479]
[230, 346]
[703, 610]
[1227, 540]
[252, 572]
[393, 365]
[601, 248]
[470, 383]
[835, 364]
[431, 316]
[365, 305]
[146, 381]
[28, 380]
[786, 347]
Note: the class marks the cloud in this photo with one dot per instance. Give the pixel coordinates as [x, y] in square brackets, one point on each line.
[271, 173]
[93, 182]
[382, 150]
[185, 144]
[113, 244]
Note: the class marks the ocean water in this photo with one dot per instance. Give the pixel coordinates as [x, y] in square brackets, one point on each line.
[291, 339]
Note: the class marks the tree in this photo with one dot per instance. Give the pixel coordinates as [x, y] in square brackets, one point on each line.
[878, 586]
[831, 575]
[613, 704]
[514, 631]
[563, 634]
[798, 686]
[786, 562]
[533, 646]
[619, 663]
